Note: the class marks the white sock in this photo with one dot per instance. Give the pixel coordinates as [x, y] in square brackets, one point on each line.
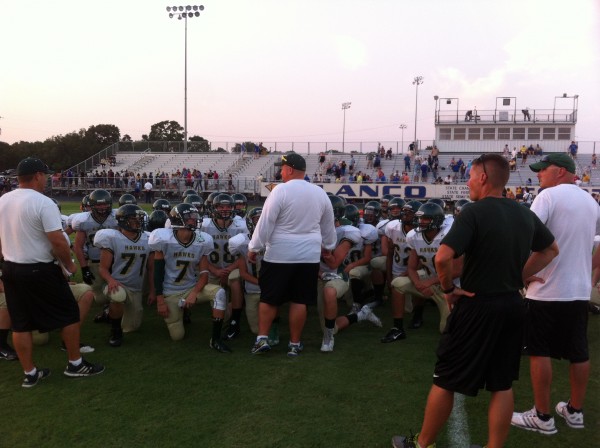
[76, 362]
[32, 372]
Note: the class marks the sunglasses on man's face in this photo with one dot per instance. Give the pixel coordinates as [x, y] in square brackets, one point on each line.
[481, 159]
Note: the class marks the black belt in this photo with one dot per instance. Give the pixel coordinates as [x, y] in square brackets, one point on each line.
[94, 261]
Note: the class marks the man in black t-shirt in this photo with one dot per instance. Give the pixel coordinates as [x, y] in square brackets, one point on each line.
[503, 243]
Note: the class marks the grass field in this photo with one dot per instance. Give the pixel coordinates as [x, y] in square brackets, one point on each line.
[156, 392]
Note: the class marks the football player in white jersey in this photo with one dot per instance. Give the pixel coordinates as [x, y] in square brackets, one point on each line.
[124, 259]
[380, 248]
[221, 227]
[403, 221]
[238, 246]
[86, 225]
[332, 285]
[181, 273]
[424, 242]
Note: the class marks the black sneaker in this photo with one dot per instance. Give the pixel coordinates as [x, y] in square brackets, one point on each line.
[32, 380]
[102, 317]
[219, 346]
[8, 354]
[83, 369]
[393, 335]
[116, 337]
[232, 332]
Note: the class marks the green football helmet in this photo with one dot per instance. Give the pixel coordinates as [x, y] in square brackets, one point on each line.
[430, 216]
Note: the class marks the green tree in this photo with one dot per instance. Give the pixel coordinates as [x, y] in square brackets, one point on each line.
[166, 131]
[198, 144]
[104, 134]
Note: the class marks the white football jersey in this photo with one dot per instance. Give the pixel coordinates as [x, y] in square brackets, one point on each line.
[181, 260]
[238, 246]
[85, 222]
[344, 233]
[395, 232]
[426, 250]
[221, 257]
[130, 257]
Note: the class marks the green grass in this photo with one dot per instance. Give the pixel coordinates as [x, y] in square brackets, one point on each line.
[156, 392]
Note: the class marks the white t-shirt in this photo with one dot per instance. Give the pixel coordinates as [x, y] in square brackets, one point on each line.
[573, 217]
[25, 218]
[297, 219]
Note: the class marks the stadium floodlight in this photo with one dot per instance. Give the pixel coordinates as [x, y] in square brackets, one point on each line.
[179, 12]
[417, 81]
[344, 107]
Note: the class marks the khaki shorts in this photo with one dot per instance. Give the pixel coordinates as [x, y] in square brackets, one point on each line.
[252, 301]
[341, 288]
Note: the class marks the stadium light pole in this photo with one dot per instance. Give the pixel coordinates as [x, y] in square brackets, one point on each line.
[185, 12]
[417, 81]
[403, 127]
[344, 107]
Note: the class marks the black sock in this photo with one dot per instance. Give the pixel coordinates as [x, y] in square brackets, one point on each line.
[352, 318]
[4, 338]
[236, 313]
[378, 291]
[115, 324]
[399, 323]
[276, 320]
[571, 409]
[330, 324]
[356, 285]
[543, 417]
[216, 328]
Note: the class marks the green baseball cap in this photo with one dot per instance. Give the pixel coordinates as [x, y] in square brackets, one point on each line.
[557, 158]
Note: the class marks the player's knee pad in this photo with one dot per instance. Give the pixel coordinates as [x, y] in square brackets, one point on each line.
[220, 302]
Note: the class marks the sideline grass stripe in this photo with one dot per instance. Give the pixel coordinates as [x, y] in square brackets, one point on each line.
[458, 425]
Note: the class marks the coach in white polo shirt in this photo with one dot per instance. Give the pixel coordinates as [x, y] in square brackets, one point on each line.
[295, 224]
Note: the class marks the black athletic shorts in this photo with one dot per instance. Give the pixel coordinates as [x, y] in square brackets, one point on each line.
[481, 344]
[38, 297]
[288, 282]
[557, 329]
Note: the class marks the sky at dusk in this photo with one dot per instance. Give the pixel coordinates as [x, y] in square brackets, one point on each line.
[279, 70]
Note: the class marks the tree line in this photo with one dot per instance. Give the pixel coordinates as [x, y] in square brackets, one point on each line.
[64, 151]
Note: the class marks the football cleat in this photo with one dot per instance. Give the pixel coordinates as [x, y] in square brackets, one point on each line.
[366, 313]
[8, 354]
[294, 350]
[233, 331]
[393, 335]
[116, 337]
[328, 341]
[219, 346]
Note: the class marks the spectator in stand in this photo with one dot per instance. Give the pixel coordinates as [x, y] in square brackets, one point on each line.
[405, 178]
[573, 149]
[321, 159]
[370, 158]
[407, 163]
[424, 169]
[359, 178]
[389, 154]
[506, 151]
[351, 164]
[594, 161]
[377, 161]
[512, 164]
[448, 180]
[538, 150]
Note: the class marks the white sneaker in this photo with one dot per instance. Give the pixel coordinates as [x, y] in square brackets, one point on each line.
[355, 308]
[531, 422]
[574, 420]
[328, 341]
[366, 313]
